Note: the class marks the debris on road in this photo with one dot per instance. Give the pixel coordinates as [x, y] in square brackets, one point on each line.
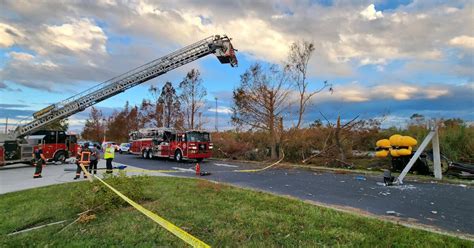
[463, 185]
[391, 212]
[434, 212]
[403, 187]
[360, 178]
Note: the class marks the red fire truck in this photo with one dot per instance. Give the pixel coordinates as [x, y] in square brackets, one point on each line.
[57, 147]
[169, 143]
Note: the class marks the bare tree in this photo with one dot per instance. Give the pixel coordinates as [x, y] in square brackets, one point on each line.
[298, 58]
[171, 106]
[151, 110]
[192, 96]
[260, 100]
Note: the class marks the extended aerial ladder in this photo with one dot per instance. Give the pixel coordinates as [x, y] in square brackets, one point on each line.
[218, 45]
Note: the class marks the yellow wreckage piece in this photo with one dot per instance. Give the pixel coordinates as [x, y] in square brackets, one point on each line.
[381, 153]
[383, 143]
[395, 140]
[408, 141]
[397, 145]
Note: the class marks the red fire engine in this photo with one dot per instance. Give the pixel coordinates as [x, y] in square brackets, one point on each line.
[169, 143]
[57, 147]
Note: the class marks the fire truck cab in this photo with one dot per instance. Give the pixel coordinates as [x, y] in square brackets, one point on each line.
[192, 144]
[168, 143]
[57, 145]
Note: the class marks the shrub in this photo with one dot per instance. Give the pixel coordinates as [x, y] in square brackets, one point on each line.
[98, 197]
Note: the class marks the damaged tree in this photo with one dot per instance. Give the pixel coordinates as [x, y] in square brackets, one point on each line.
[298, 59]
[260, 100]
[192, 97]
[171, 107]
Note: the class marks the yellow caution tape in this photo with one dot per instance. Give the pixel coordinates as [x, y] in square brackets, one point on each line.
[178, 232]
[262, 169]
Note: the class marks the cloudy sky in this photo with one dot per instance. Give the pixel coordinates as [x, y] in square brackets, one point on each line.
[384, 58]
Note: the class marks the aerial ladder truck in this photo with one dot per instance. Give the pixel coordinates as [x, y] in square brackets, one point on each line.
[14, 147]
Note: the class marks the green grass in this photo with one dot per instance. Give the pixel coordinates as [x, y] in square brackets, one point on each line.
[220, 215]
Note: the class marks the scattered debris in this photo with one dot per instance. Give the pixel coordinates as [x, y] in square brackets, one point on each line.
[36, 227]
[388, 178]
[287, 185]
[404, 187]
[434, 212]
[380, 184]
[463, 185]
[342, 181]
[432, 203]
[204, 173]
[360, 178]
[391, 212]
[309, 194]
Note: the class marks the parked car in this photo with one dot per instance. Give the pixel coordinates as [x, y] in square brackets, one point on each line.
[104, 145]
[124, 148]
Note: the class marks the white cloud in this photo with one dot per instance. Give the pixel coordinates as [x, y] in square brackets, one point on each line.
[21, 56]
[346, 35]
[356, 92]
[221, 110]
[9, 35]
[463, 41]
[370, 13]
[78, 36]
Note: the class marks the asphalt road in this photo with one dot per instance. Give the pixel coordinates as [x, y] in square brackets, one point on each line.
[446, 207]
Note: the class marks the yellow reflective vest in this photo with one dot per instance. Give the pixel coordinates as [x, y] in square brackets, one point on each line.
[109, 152]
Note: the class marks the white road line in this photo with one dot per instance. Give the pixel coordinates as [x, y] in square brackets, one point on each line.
[226, 165]
[183, 169]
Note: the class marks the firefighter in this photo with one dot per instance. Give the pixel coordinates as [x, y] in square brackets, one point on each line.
[109, 155]
[95, 156]
[85, 148]
[39, 161]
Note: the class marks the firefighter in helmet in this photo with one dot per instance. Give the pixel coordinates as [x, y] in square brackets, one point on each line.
[38, 160]
[85, 148]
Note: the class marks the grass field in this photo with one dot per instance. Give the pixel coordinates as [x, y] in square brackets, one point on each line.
[220, 215]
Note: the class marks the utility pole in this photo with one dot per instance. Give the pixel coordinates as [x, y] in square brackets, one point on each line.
[216, 120]
[6, 126]
[200, 120]
[105, 129]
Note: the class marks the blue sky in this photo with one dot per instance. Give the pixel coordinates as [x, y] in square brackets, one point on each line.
[386, 59]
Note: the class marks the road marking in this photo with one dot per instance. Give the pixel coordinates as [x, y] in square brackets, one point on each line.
[183, 169]
[226, 165]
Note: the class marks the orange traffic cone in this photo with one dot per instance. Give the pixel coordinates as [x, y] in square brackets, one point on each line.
[198, 169]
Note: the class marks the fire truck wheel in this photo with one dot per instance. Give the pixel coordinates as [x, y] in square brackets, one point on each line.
[144, 155]
[60, 157]
[150, 154]
[178, 156]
